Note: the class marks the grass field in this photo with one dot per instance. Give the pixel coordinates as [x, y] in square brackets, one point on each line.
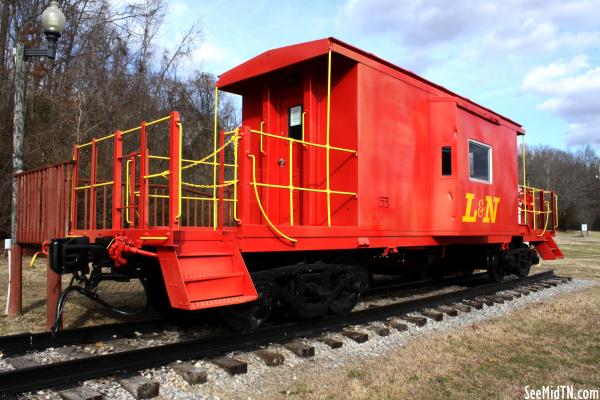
[556, 342]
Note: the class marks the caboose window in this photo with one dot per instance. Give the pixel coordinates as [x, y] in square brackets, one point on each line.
[295, 122]
[446, 160]
[480, 161]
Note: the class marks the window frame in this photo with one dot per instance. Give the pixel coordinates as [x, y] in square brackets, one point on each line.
[490, 162]
[451, 174]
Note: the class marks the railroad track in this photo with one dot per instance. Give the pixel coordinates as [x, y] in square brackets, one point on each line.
[15, 345]
[72, 371]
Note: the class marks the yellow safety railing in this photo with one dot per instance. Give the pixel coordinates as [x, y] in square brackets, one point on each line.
[136, 128]
[548, 208]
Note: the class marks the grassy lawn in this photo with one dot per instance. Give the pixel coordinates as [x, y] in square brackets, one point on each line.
[556, 342]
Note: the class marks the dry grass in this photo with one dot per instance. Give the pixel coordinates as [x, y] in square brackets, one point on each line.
[79, 311]
[556, 342]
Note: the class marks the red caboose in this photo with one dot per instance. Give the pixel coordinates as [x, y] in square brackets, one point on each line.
[345, 164]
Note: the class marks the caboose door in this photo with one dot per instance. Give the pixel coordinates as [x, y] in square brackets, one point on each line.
[290, 160]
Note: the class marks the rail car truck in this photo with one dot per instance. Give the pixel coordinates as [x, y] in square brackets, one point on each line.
[344, 164]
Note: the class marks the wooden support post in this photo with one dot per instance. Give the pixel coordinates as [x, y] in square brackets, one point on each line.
[15, 305]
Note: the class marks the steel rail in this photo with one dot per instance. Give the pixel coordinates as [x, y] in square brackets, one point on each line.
[51, 375]
[19, 344]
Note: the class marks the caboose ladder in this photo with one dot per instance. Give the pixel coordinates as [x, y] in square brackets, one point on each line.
[548, 249]
[204, 279]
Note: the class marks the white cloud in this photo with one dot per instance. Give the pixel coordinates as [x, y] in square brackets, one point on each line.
[573, 91]
[507, 26]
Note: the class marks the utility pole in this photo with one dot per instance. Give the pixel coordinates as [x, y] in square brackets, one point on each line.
[15, 285]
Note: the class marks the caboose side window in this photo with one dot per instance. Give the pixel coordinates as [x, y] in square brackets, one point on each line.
[480, 161]
[295, 122]
[446, 161]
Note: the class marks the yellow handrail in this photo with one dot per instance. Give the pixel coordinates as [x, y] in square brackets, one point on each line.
[235, 176]
[127, 188]
[215, 159]
[547, 217]
[524, 178]
[156, 121]
[179, 167]
[327, 138]
[260, 206]
[303, 142]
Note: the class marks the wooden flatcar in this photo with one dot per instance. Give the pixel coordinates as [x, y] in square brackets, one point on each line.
[344, 165]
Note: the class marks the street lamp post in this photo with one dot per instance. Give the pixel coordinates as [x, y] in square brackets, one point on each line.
[53, 23]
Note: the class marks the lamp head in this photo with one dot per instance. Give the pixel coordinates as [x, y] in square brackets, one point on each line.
[53, 22]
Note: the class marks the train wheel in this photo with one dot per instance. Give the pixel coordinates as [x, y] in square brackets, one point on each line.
[522, 269]
[353, 282]
[496, 269]
[248, 316]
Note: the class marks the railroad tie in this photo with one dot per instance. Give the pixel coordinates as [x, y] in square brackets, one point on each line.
[73, 353]
[231, 365]
[533, 288]
[300, 349]
[434, 315]
[358, 337]
[331, 342]
[544, 285]
[523, 291]
[462, 307]
[381, 331]
[451, 312]
[270, 358]
[139, 386]
[485, 300]
[190, 373]
[504, 296]
[495, 299]
[397, 324]
[551, 282]
[80, 393]
[22, 362]
[419, 321]
[474, 303]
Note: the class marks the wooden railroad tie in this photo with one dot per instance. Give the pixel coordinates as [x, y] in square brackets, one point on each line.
[397, 324]
[270, 358]
[358, 337]
[80, 393]
[487, 301]
[505, 297]
[190, 373]
[450, 311]
[139, 386]
[419, 321]
[523, 291]
[434, 315]
[462, 307]
[331, 342]
[232, 365]
[474, 303]
[300, 349]
[380, 330]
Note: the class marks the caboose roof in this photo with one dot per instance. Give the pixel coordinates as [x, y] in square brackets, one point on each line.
[282, 57]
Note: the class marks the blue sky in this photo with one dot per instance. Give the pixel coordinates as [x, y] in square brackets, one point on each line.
[536, 61]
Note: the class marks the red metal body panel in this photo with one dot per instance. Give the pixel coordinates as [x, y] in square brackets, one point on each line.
[366, 173]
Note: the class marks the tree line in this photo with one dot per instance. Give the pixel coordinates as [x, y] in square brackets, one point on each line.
[574, 175]
[111, 72]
